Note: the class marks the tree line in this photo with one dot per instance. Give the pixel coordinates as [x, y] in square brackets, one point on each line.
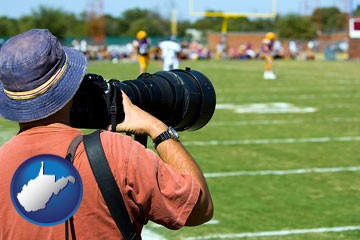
[64, 24]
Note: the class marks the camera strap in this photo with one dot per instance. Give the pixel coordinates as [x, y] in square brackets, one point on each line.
[113, 107]
[107, 184]
[70, 157]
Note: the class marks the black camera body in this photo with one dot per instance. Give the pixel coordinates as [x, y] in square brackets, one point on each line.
[184, 99]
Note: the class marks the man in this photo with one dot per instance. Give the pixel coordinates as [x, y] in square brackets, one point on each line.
[267, 48]
[142, 45]
[169, 54]
[38, 79]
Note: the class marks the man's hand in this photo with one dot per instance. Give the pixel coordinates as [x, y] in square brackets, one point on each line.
[138, 121]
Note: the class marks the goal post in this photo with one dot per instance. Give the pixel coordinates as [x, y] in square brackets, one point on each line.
[271, 14]
[226, 15]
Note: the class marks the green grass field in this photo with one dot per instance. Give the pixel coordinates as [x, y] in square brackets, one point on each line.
[281, 157]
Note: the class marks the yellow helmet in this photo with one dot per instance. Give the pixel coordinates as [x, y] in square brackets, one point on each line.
[270, 36]
[141, 34]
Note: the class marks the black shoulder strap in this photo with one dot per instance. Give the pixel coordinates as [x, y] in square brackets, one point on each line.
[70, 157]
[107, 184]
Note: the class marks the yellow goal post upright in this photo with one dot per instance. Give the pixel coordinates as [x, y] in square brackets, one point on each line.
[227, 15]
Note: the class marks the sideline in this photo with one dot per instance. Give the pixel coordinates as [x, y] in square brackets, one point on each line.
[276, 233]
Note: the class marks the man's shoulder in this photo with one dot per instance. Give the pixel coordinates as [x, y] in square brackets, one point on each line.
[112, 139]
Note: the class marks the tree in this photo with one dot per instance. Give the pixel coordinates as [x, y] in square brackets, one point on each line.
[182, 26]
[329, 19]
[53, 19]
[239, 24]
[75, 26]
[151, 26]
[64, 24]
[115, 26]
[139, 19]
[25, 23]
[8, 26]
[356, 12]
[243, 24]
[295, 26]
[135, 14]
[209, 23]
[151, 22]
[263, 25]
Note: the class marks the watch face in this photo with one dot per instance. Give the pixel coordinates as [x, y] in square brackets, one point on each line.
[174, 133]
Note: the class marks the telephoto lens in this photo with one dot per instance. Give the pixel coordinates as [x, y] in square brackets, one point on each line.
[184, 99]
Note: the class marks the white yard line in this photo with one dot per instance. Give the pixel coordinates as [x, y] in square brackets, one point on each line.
[276, 233]
[281, 121]
[297, 97]
[282, 172]
[147, 234]
[272, 141]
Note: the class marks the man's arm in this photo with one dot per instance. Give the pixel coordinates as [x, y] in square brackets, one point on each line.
[172, 152]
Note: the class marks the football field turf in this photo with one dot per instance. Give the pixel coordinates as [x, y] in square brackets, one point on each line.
[281, 157]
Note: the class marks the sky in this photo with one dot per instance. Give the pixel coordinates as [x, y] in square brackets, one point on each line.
[18, 8]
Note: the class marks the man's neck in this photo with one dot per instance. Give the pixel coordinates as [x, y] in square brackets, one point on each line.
[43, 122]
[62, 116]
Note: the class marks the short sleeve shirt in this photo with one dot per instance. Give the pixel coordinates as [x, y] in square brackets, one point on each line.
[150, 188]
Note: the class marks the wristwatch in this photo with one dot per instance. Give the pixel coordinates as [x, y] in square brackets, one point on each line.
[170, 133]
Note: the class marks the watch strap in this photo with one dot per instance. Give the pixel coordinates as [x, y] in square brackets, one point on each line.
[168, 134]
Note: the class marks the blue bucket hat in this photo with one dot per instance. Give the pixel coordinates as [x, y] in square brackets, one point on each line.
[38, 76]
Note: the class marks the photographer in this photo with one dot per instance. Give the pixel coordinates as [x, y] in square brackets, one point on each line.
[38, 79]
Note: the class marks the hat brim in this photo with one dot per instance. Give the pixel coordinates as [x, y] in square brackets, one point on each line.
[51, 101]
